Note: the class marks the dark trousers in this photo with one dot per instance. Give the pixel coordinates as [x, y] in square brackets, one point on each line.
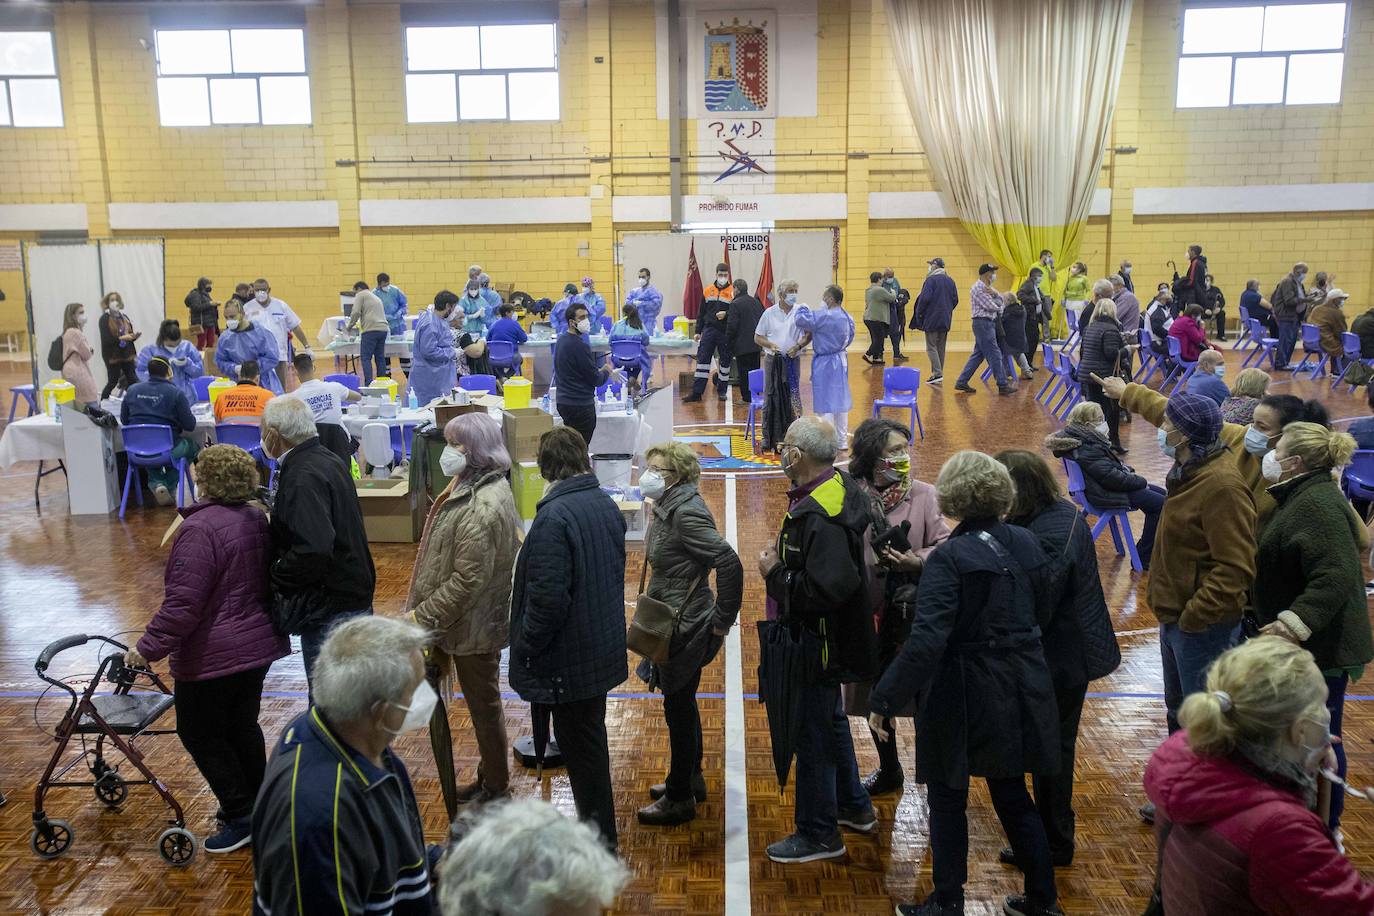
[1110, 409]
[1288, 339]
[740, 367]
[827, 773]
[581, 417]
[1221, 324]
[888, 761]
[1054, 791]
[877, 335]
[894, 334]
[121, 374]
[217, 722]
[713, 343]
[1335, 704]
[373, 353]
[1032, 337]
[313, 638]
[580, 728]
[684, 738]
[1020, 821]
[1150, 501]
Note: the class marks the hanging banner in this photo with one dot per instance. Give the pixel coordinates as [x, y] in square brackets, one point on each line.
[733, 59]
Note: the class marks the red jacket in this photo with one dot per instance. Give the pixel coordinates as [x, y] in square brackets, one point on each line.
[1240, 845]
[213, 620]
[1192, 340]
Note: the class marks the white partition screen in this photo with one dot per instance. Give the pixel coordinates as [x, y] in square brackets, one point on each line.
[84, 272]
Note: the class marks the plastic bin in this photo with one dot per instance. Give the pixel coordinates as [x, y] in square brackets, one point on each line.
[517, 392]
[58, 391]
[217, 386]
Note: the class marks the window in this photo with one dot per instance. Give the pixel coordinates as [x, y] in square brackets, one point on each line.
[232, 76]
[1275, 54]
[482, 73]
[29, 92]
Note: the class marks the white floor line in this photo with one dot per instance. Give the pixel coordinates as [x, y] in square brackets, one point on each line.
[737, 896]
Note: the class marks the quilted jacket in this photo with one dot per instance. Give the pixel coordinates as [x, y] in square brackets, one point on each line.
[213, 621]
[1106, 480]
[462, 584]
[567, 622]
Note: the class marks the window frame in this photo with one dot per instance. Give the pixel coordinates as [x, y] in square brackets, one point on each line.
[503, 72]
[56, 74]
[256, 76]
[1287, 56]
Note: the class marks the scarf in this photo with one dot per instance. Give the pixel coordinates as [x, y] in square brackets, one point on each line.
[893, 494]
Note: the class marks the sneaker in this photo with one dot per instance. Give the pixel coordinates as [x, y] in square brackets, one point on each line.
[935, 379]
[796, 849]
[965, 388]
[162, 495]
[930, 907]
[860, 821]
[698, 789]
[1057, 859]
[1147, 812]
[1020, 905]
[233, 835]
[1007, 389]
[721, 395]
[1369, 589]
[882, 782]
[668, 813]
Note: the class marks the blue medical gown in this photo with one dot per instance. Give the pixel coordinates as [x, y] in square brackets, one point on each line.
[234, 348]
[558, 314]
[474, 311]
[433, 370]
[649, 301]
[181, 375]
[621, 330]
[831, 331]
[596, 305]
[491, 306]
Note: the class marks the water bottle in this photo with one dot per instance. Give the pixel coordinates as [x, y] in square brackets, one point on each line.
[56, 409]
[411, 401]
[544, 403]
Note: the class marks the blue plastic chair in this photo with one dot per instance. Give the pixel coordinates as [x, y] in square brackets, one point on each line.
[149, 445]
[901, 384]
[504, 355]
[606, 324]
[668, 323]
[412, 320]
[1119, 520]
[1148, 358]
[1243, 338]
[632, 353]
[248, 437]
[757, 401]
[350, 382]
[485, 383]
[1312, 346]
[402, 440]
[1358, 478]
[201, 385]
[1182, 371]
[1264, 346]
[1073, 389]
[25, 393]
[1353, 349]
[1011, 370]
[1072, 340]
[1052, 380]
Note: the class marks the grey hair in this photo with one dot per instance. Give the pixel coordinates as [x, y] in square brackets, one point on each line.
[787, 284]
[1103, 289]
[814, 437]
[973, 485]
[1086, 413]
[365, 661]
[291, 418]
[483, 278]
[1210, 357]
[524, 856]
[1117, 280]
[474, 268]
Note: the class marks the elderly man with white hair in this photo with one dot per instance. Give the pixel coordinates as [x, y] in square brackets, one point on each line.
[336, 828]
[817, 579]
[321, 568]
[1207, 377]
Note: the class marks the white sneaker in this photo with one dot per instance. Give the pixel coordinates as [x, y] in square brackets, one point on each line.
[162, 495]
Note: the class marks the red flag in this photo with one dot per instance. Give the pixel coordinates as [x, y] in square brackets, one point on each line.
[726, 259]
[691, 292]
[765, 285]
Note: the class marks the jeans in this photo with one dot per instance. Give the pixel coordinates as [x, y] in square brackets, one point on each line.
[1020, 821]
[985, 348]
[1054, 791]
[1335, 704]
[1186, 658]
[935, 351]
[580, 728]
[313, 638]
[217, 722]
[740, 367]
[684, 738]
[479, 677]
[1288, 339]
[1149, 500]
[373, 350]
[581, 418]
[877, 335]
[713, 342]
[827, 773]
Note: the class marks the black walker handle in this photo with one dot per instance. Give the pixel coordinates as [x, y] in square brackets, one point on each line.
[58, 646]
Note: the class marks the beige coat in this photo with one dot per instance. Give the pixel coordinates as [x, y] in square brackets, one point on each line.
[76, 366]
[368, 312]
[462, 582]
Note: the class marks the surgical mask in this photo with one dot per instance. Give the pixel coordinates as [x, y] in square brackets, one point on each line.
[586, 290]
[1102, 429]
[790, 298]
[1314, 754]
[893, 470]
[262, 296]
[231, 323]
[652, 484]
[584, 326]
[1256, 442]
[1271, 467]
[1164, 445]
[643, 281]
[421, 708]
[1220, 371]
[722, 279]
[81, 321]
[472, 294]
[992, 279]
[1126, 269]
[115, 305]
[1301, 277]
[452, 461]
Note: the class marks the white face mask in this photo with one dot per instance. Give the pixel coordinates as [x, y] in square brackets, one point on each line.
[81, 319]
[231, 323]
[422, 703]
[262, 296]
[1126, 269]
[1271, 467]
[584, 325]
[992, 278]
[472, 294]
[790, 298]
[1102, 429]
[452, 461]
[586, 290]
[643, 281]
[115, 305]
[652, 484]
[722, 279]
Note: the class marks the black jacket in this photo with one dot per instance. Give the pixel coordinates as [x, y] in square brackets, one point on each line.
[1363, 328]
[112, 349]
[989, 710]
[576, 371]
[1080, 644]
[740, 324]
[567, 620]
[823, 581]
[321, 564]
[1102, 341]
[1014, 327]
[1189, 287]
[204, 312]
[935, 303]
[1106, 480]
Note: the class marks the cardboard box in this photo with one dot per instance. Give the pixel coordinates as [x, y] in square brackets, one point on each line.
[522, 428]
[527, 486]
[391, 513]
[445, 412]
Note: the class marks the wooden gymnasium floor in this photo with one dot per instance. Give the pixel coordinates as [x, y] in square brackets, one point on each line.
[62, 575]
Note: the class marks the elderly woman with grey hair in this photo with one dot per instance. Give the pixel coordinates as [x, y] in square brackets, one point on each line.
[975, 645]
[461, 584]
[526, 857]
[336, 822]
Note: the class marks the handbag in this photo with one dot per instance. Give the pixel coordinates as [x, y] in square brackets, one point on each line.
[655, 622]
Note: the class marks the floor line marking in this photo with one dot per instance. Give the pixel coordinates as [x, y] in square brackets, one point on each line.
[737, 895]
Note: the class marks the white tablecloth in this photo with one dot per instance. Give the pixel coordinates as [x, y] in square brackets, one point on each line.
[39, 438]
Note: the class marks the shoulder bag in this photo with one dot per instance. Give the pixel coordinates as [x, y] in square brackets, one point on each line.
[655, 622]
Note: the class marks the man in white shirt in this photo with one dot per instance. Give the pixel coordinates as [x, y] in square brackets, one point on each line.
[325, 400]
[779, 338]
[276, 316]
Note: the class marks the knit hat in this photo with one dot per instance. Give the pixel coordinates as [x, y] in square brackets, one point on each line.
[1196, 416]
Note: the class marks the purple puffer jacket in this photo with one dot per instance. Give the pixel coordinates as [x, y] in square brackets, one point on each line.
[213, 620]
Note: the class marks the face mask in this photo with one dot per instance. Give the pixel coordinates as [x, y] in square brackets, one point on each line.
[1315, 753]
[992, 279]
[81, 321]
[174, 337]
[262, 296]
[584, 326]
[786, 465]
[231, 323]
[1102, 429]
[1164, 445]
[1256, 442]
[1220, 371]
[1271, 467]
[586, 290]
[823, 307]
[790, 298]
[1302, 277]
[1126, 270]
[422, 703]
[721, 280]
[472, 294]
[209, 289]
[451, 461]
[893, 470]
[643, 281]
[652, 484]
[115, 305]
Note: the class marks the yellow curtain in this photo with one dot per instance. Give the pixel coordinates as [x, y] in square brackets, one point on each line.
[1013, 101]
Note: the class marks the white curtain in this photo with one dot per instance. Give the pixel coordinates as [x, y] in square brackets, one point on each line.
[1013, 100]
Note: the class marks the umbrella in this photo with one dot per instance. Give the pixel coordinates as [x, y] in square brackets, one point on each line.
[441, 740]
[789, 659]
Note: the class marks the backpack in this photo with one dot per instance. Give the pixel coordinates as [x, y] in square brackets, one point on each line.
[55, 355]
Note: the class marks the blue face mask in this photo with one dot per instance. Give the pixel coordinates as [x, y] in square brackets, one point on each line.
[1302, 277]
[1256, 442]
[1164, 445]
[1221, 371]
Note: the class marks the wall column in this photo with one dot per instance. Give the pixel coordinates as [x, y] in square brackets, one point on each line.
[76, 62]
[856, 265]
[601, 240]
[340, 135]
